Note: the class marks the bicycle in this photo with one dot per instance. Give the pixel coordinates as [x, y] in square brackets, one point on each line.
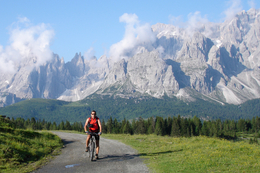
[92, 145]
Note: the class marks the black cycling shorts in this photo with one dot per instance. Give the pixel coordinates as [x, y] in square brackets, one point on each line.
[96, 137]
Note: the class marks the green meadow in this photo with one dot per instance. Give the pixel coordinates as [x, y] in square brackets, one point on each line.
[195, 154]
[25, 150]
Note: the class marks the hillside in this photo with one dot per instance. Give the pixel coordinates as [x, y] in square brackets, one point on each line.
[47, 109]
[120, 108]
[19, 148]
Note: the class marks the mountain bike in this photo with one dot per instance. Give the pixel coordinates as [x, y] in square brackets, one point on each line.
[92, 145]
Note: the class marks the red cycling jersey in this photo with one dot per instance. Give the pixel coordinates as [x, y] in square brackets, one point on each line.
[94, 123]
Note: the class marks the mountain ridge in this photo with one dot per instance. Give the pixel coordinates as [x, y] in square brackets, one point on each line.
[219, 62]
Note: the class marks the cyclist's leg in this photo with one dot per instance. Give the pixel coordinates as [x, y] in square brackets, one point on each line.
[87, 140]
[97, 144]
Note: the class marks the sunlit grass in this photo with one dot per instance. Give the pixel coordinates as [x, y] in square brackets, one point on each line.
[25, 150]
[195, 154]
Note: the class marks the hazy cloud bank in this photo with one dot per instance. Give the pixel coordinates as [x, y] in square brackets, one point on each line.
[235, 6]
[27, 41]
[135, 34]
[197, 22]
[33, 41]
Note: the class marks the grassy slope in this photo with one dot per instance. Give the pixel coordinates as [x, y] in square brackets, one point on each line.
[148, 106]
[195, 154]
[55, 110]
[50, 110]
[24, 150]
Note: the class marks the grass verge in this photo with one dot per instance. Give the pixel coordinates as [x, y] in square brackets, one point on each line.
[25, 150]
[195, 154]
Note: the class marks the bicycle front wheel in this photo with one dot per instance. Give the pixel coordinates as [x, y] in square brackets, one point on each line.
[90, 149]
[93, 151]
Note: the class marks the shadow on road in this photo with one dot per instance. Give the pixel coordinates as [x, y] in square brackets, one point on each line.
[112, 158]
[65, 142]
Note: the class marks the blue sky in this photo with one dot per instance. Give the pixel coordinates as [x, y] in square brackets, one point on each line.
[69, 27]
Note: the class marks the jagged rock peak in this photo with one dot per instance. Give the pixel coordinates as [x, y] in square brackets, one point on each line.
[218, 61]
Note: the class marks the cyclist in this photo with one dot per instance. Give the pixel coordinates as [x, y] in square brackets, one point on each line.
[94, 126]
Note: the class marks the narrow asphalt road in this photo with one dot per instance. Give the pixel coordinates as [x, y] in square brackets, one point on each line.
[114, 157]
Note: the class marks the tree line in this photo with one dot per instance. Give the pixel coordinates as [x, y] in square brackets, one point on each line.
[171, 126]
[34, 124]
[182, 127]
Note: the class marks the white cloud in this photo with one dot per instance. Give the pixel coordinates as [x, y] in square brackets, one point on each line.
[160, 50]
[27, 41]
[23, 20]
[176, 21]
[235, 6]
[90, 53]
[251, 3]
[196, 22]
[135, 34]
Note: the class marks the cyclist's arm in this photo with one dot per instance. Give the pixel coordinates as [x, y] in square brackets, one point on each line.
[86, 124]
[100, 127]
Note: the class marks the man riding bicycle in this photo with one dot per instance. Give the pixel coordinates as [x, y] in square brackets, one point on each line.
[94, 125]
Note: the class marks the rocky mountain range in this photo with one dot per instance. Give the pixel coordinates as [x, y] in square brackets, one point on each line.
[217, 62]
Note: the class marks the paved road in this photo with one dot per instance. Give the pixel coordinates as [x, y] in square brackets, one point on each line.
[114, 157]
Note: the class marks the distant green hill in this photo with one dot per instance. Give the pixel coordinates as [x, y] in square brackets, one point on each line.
[120, 108]
[48, 109]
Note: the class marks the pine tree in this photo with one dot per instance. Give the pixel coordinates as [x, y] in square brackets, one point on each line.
[241, 124]
[47, 126]
[184, 127]
[134, 126]
[159, 126]
[33, 123]
[61, 126]
[151, 125]
[116, 127]
[27, 123]
[140, 126]
[122, 125]
[219, 128]
[127, 128]
[204, 129]
[67, 125]
[198, 125]
[188, 132]
[175, 128]
[104, 127]
[54, 126]
[77, 126]
[191, 130]
[257, 124]
[110, 125]
[169, 126]
[19, 123]
[253, 124]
